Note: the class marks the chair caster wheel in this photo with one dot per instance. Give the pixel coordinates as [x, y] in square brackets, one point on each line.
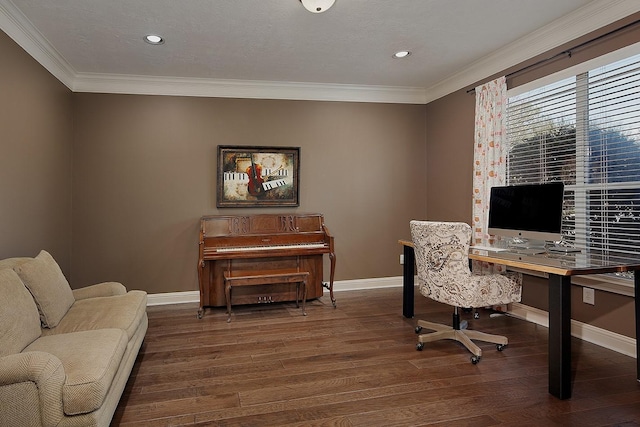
[500, 347]
[418, 329]
[419, 346]
[475, 360]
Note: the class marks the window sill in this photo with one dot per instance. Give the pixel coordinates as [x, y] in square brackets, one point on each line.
[602, 282]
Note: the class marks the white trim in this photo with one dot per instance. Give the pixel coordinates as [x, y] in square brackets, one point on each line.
[602, 337]
[602, 282]
[373, 283]
[606, 283]
[594, 15]
[607, 339]
[172, 86]
[338, 286]
[592, 64]
[19, 28]
[173, 298]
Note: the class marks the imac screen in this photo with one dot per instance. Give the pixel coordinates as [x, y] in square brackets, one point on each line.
[530, 211]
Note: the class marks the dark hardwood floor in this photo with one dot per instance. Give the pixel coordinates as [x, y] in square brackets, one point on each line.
[357, 366]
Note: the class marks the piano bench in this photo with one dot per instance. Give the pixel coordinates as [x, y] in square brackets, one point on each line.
[265, 277]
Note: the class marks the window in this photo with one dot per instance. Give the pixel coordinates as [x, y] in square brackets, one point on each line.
[584, 130]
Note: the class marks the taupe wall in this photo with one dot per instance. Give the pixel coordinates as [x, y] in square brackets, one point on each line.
[450, 134]
[35, 158]
[145, 171]
[142, 171]
[450, 130]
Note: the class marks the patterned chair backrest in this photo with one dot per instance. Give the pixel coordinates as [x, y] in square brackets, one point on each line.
[442, 258]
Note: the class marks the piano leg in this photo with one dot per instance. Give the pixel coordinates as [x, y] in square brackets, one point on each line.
[227, 292]
[332, 258]
[302, 284]
[304, 296]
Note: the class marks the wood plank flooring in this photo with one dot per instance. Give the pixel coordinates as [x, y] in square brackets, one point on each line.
[357, 365]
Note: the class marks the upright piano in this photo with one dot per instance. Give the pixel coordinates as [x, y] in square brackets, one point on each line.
[262, 244]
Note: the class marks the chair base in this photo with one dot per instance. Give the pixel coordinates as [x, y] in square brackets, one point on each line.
[463, 336]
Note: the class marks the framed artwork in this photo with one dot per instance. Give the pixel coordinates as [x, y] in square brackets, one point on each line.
[250, 176]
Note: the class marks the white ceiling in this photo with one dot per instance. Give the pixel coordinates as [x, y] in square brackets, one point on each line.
[277, 49]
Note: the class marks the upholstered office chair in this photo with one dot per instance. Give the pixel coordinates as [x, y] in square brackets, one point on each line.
[442, 262]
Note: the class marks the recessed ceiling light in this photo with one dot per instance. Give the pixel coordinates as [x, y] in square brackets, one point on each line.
[153, 39]
[317, 6]
[401, 54]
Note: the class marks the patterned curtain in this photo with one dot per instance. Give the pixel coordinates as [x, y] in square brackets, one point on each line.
[489, 162]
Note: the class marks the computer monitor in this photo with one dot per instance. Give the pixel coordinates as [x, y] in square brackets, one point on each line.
[530, 214]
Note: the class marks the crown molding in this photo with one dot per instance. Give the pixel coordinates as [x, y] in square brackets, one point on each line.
[594, 15]
[19, 28]
[586, 19]
[171, 86]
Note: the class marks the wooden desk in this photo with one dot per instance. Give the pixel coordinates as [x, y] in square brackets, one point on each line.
[560, 268]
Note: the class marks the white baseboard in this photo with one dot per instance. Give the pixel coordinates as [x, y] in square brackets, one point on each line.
[338, 286]
[607, 339]
[173, 298]
[611, 340]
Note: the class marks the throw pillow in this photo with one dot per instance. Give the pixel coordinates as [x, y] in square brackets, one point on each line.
[49, 287]
[19, 320]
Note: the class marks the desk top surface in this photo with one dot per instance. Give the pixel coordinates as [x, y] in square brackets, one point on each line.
[570, 264]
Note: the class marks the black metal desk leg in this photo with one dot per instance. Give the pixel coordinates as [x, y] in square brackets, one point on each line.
[560, 336]
[408, 271]
[636, 280]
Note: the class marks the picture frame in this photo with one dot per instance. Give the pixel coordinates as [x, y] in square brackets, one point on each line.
[255, 176]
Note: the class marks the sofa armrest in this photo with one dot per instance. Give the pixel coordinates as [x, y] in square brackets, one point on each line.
[31, 385]
[105, 289]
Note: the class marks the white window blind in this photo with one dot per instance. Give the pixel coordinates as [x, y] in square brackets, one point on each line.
[584, 131]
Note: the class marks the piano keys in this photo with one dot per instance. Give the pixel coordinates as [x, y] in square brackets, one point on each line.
[270, 248]
[262, 244]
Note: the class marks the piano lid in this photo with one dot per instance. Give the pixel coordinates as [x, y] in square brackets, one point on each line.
[246, 225]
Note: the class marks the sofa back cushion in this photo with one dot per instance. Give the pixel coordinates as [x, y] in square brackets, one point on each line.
[19, 320]
[13, 262]
[49, 287]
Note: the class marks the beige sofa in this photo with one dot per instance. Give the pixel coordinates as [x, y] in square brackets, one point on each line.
[65, 355]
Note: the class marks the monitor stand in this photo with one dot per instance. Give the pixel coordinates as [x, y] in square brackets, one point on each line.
[526, 246]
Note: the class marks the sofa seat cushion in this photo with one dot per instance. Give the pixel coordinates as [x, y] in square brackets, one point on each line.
[19, 319]
[117, 311]
[90, 360]
[50, 289]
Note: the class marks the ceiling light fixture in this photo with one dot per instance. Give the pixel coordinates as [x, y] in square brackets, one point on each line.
[401, 54]
[153, 39]
[317, 6]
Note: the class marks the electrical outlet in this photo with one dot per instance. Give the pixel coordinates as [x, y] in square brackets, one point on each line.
[589, 296]
[401, 259]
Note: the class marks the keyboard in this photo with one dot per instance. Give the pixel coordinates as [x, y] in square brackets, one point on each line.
[488, 248]
[527, 251]
[563, 249]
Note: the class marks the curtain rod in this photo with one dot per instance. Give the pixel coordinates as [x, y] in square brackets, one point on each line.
[567, 52]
